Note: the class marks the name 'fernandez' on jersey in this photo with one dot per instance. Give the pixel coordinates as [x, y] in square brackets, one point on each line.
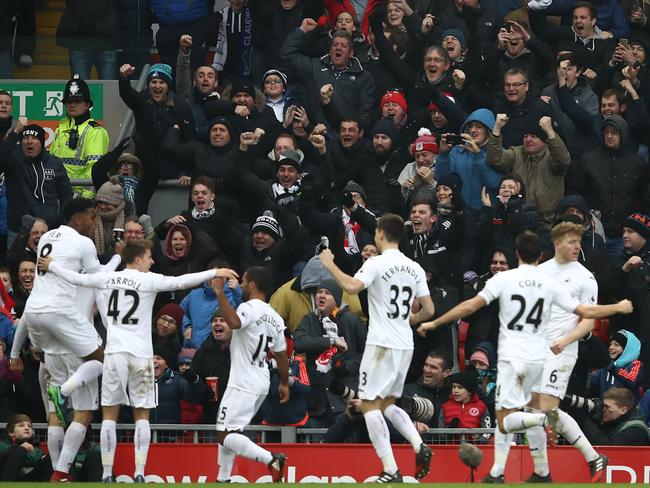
[525, 296]
[393, 282]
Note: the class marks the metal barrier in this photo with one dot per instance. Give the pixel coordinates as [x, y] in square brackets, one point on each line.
[206, 433]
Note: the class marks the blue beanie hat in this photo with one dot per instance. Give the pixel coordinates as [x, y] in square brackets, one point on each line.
[458, 34]
[162, 71]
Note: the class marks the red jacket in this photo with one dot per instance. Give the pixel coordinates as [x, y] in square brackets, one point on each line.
[469, 414]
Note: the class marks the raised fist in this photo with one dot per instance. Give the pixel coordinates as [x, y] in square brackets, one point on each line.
[126, 70]
[308, 25]
[186, 43]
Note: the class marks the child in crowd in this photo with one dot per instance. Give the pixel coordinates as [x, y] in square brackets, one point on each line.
[21, 459]
[625, 370]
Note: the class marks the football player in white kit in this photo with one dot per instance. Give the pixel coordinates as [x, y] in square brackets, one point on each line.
[526, 295]
[58, 326]
[125, 304]
[256, 327]
[393, 282]
[564, 330]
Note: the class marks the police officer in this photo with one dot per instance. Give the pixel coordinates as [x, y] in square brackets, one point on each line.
[79, 140]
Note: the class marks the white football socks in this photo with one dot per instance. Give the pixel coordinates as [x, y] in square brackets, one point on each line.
[86, 372]
[380, 438]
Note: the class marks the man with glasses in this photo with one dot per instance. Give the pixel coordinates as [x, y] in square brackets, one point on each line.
[522, 109]
[79, 140]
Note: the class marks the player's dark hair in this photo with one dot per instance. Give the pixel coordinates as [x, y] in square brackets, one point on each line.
[393, 227]
[447, 362]
[529, 246]
[6, 93]
[203, 180]
[135, 248]
[77, 206]
[622, 396]
[262, 278]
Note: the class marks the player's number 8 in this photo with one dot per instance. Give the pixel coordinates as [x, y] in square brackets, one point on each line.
[47, 249]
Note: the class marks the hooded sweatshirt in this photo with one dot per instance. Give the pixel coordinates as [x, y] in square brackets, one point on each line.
[37, 187]
[626, 371]
[614, 181]
[472, 167]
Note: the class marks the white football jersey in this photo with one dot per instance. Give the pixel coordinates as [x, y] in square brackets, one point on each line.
[261, 328]
[526, 295]
[393, 282]
[70, 250]
[582, 286]
[126, 304]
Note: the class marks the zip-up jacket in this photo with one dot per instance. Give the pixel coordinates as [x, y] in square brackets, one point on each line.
[36, 187]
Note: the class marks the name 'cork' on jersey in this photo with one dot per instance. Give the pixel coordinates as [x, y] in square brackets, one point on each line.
[71, 251]
[261, 328]
[526, 295]
[125, 302]
[582, 286]
[393, 282]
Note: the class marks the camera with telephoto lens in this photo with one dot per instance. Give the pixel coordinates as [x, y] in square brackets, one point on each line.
[576, 401]
[418, 408]
[340, 389]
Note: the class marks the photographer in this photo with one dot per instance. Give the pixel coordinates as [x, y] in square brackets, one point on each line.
[468, 158]
[542, 161]
[619, 424]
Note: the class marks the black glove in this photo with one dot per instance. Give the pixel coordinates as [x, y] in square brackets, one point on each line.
[347, 200]
[121, 146]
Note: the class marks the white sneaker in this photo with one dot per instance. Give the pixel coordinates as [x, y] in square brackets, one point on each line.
[25, 60]
[539, 4]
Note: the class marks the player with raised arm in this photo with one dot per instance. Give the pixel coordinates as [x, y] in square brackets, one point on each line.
[58, 324]
[526, 295]
[564, 330]
[393, 282]
[125, 303]
[256, 327]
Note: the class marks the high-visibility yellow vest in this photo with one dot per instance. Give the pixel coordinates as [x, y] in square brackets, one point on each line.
[92, 143]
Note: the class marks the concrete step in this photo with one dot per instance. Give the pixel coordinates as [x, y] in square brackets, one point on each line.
[43, 72]
[50, 58]
[47, 45]
[45, 31]
[46, 18]
[54, 5]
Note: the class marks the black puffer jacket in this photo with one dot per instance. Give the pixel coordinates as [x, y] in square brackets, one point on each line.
[152, 123]
[212, 359]
[612, 181]
[36, 187]
[310, 339]
[354, 88]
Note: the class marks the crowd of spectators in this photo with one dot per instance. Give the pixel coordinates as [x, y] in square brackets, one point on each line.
[293, 125]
